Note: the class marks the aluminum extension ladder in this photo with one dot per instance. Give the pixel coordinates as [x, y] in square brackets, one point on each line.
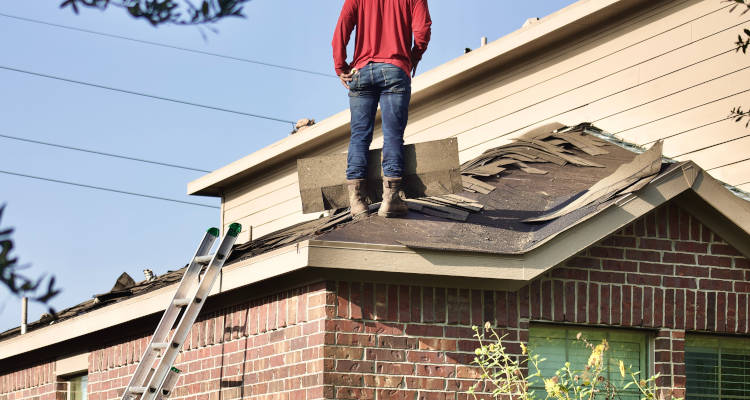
[189, 298]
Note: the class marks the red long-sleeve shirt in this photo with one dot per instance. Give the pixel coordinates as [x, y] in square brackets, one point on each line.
[384, 33]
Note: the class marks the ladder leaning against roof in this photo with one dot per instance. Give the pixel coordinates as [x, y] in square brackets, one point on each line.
[156, 384]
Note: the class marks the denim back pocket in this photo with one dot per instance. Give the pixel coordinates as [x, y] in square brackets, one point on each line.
[395, 80]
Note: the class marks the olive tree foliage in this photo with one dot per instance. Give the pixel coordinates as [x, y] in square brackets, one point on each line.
[175, 12]
[742, 43]
[40, 290]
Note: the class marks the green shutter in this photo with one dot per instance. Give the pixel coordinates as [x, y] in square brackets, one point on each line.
[559, 344]
[717, 368]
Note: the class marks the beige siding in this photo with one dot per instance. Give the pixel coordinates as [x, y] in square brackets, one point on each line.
[664, 73]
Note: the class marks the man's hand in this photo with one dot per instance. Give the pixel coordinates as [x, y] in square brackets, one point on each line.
[347, 77]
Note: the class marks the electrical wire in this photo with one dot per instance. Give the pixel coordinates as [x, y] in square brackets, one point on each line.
[168, 46]
[101, 153]
[713, 145]
[108, 189]
[286, 121]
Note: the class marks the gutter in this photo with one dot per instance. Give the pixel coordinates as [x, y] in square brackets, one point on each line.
[550, 29]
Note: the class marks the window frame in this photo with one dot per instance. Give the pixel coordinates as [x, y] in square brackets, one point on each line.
[715, 343]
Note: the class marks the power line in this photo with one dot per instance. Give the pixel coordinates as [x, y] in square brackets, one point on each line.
[146, 95]
[710, 146]
[108, 189]
[101, 153]
[728, 164]
[72, 28]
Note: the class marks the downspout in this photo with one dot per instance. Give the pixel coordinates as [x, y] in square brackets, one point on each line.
[24, 313]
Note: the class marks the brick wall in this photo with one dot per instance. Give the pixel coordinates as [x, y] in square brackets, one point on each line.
[665, 273]
[32, 383]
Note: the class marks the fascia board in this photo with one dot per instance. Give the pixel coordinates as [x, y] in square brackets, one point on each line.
[549, 29]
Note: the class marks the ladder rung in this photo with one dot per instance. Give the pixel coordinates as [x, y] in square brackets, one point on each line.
[137, 390]
[159, 345]
[204, 259]
[181, 302]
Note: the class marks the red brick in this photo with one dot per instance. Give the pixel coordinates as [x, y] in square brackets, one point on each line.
[355, 366]
[593, 303]
[662, 221]
[669, 310]
[700, 313]
[604, 305]
[654, 244]
[699, 272]
[454, 306]
[339, 379]
[582, 302]
[655, 268]
[648, 304]
[677, 282]
[381, 301]
[743, 287]
[386, 368]
[627, 303]
[404, 311]
[724, 249]
[535, 299]
[512, 310]
[428, 308]
[523, 302]
[619, 241]
[392, 303]
[445, 371]
[430, 357]
[710, 311]
[384, 381]
[559, 301]
[351, 393]
[713, 284]
[640, 279]
[637, 306]
[721, 312]
[425, 383]
[398, 394]
[732, 312]
[742, 263]
[476, 308]
[691, 247]
[391, 355]
[679, 258]
[679, 314]
[607, 277]
[569, 273]
[619, 265]
[658, 307]
[424, 330]
[642, 255]
[501, 308]
[583, 262]
[715, 261]
[674, 222]
[742, 313]
[615, 310]
[342, 310]
[384, 328]
[547, 300]
[440, 305]
[690, 310]
[368, 301]
[723, 273]
[570, 301]
[606, 252]
[437, 344]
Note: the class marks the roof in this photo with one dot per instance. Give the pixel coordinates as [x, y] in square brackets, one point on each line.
[553, 182]
[549, 30]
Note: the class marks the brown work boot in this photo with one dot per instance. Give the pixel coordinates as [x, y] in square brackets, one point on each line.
[357, 193]
[393, 206]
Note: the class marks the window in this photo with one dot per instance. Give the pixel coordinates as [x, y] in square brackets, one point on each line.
[559, 344]
[717, 368]
[77, 387]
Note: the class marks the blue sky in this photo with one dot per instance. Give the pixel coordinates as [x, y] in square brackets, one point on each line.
[86, 238]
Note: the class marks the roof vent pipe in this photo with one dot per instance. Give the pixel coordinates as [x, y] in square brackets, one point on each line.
[483, 41]
[24, 313]
[149, 275]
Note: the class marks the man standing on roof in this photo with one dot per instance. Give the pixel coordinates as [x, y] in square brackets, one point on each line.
[383, 60]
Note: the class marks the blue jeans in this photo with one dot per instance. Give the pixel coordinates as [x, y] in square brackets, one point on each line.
[391, 86]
